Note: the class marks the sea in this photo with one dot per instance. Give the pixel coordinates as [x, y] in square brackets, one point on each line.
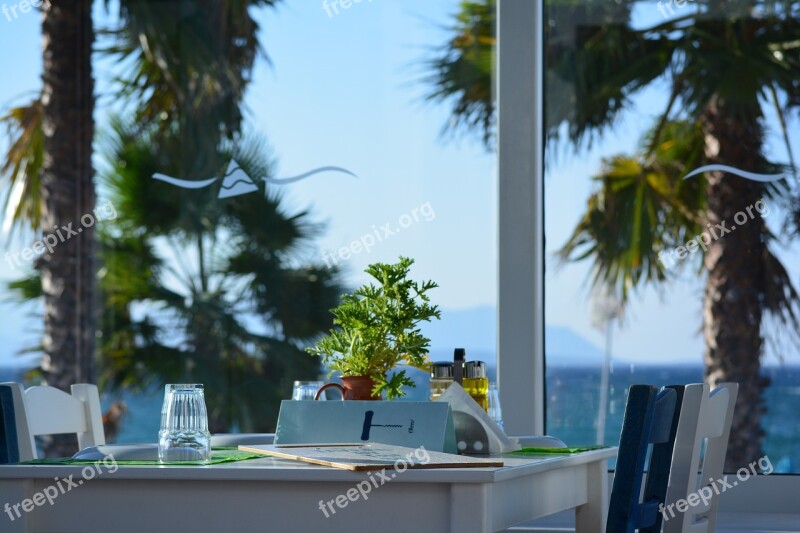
[572, 406]
[573, 399]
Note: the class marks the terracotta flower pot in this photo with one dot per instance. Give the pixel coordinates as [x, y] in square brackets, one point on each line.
[355, 388]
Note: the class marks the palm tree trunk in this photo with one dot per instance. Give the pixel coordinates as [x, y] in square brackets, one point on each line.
[68, 272]
[732, 308]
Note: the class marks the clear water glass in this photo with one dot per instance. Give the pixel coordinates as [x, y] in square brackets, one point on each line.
[495, 411]
[184, 435]
[306, 390]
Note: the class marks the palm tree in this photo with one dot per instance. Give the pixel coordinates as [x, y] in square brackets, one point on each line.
[606, 310]
[68, 192]
[49, 162]
[724, 62]
[49, 166]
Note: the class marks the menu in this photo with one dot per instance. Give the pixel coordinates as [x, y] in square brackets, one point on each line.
[370, 456]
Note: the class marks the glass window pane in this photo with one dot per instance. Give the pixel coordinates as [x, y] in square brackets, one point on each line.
[655, 278]
[250, 161]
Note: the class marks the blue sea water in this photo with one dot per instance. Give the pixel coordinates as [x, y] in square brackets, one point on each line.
[572, 405]
[573, 398]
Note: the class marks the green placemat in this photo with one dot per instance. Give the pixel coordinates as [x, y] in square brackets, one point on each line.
[546, 451]
[222, 455]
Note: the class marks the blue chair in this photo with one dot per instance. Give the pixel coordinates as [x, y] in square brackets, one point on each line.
[9, 442]
[648, 432]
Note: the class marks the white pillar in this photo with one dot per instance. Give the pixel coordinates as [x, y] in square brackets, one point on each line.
[520, 328]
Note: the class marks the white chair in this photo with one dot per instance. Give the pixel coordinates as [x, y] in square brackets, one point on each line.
[51, 411]
[703, 416]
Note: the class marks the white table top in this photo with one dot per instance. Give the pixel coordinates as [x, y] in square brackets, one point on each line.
[275, 469]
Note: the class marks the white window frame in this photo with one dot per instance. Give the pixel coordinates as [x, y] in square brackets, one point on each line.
[520, 326]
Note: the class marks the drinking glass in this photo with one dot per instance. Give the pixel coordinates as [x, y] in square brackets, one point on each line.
[495, 411]
[306, 390]
[184, 435]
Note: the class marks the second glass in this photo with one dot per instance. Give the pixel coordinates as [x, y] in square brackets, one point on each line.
[184, 435]
[306, 390]
[495, 411]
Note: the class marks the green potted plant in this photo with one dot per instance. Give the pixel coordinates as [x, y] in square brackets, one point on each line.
[379, 329]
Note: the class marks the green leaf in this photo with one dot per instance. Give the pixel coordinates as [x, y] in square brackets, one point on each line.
[379, 328]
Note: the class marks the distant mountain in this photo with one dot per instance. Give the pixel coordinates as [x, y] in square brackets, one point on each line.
[565, 347]
[473, 329]
[476, 330]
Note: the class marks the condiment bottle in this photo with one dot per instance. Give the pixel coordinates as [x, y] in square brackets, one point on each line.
[476, 382]
[441, 378]
[459, 356]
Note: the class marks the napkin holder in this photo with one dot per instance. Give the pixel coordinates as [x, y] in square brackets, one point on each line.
[476, 432]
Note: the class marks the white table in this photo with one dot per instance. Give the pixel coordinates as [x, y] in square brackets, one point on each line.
[284, 496]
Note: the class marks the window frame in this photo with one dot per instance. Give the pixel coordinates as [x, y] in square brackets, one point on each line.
[520, 320]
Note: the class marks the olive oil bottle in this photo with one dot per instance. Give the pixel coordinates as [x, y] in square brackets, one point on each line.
[476, 382]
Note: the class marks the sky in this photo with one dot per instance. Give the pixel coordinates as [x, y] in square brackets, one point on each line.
[346, 89]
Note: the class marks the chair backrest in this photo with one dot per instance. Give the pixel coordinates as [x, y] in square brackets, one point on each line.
[649, 419]
[51, 411]
[9, 436]
[704, 416]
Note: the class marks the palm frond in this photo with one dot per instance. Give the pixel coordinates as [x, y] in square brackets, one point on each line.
[642, 210]
[25, 289]
[22, 167]
[187, 63]
[461, 75]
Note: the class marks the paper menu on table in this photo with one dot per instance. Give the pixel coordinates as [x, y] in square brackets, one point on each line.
[371, 456]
